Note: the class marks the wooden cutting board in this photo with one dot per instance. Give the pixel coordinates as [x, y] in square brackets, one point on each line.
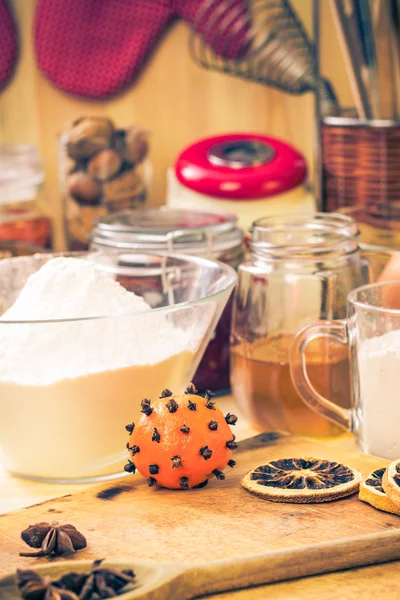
[126, 520]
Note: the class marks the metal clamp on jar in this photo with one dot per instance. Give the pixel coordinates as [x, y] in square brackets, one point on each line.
[210, 235]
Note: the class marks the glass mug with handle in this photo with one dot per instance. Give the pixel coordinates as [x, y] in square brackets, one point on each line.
[299, 268]
[372, 333]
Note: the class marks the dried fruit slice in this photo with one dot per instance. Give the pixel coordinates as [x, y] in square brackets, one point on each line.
[372, 492]
[391, 481]
[302, 480]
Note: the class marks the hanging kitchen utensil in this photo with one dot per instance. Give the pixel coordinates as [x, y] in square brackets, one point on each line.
[270, 44]
[383, 33]
[352, 50]
[393, 34]
[363, 17]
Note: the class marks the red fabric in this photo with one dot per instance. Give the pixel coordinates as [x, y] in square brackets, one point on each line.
[94, 48]
[8, 43]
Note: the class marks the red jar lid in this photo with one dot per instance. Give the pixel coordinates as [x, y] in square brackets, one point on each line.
[240, 166]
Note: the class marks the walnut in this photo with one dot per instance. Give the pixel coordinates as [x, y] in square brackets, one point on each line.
[84, 188]
[119, 140]
[87, 136]
[70, 165]
[136, 145]
[104, 165]
[123, 187]
[80, 220]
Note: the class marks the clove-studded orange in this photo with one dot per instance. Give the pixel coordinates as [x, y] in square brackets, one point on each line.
[181, 441]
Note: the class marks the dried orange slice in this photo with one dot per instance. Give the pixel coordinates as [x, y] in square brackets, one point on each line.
[391, 481]
[302, 480]
[372, 492]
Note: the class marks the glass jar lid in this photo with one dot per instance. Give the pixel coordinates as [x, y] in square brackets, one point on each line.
[166, 229]
[21, 171]
[303, 236]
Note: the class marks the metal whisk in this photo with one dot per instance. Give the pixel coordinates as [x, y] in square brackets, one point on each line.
[259, 40]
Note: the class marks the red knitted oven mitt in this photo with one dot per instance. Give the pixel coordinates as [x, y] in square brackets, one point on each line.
[94, 48]
[8, 43]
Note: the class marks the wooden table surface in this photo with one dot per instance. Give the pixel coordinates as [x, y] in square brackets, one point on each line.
[381, 581]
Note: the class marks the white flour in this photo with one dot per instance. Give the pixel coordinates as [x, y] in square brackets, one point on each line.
[379, 364]
[64, 288]
[67, 288]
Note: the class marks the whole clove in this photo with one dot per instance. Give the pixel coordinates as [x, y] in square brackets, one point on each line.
[166, 393]
[231, 419]
[130, 467]
[172, 405]
[156, 436]
[133, 449]
[176, 462]
[208, 396]
[191, 389]
[231, 444]
[185, 429]
[184, 483]
[213, 425]
[146, 408]
[205, 452]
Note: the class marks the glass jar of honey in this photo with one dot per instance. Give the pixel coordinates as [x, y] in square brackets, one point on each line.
[24, 225]
[300, 269]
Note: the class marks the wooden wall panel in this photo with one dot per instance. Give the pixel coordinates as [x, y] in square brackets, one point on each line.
[175, 98]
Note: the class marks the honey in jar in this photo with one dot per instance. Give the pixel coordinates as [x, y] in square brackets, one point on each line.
[23, 219]
[300, 269]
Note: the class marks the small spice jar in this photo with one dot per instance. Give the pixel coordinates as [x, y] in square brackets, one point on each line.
[24, 225]
[210, 235]
[100, 172]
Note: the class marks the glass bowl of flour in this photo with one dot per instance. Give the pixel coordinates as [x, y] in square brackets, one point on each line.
[81, 344]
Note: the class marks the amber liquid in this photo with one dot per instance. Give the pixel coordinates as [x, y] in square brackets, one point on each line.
[263, 388]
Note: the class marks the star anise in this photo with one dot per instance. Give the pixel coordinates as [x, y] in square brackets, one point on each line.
[34, 587]
[53, 540]
[101, 582]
